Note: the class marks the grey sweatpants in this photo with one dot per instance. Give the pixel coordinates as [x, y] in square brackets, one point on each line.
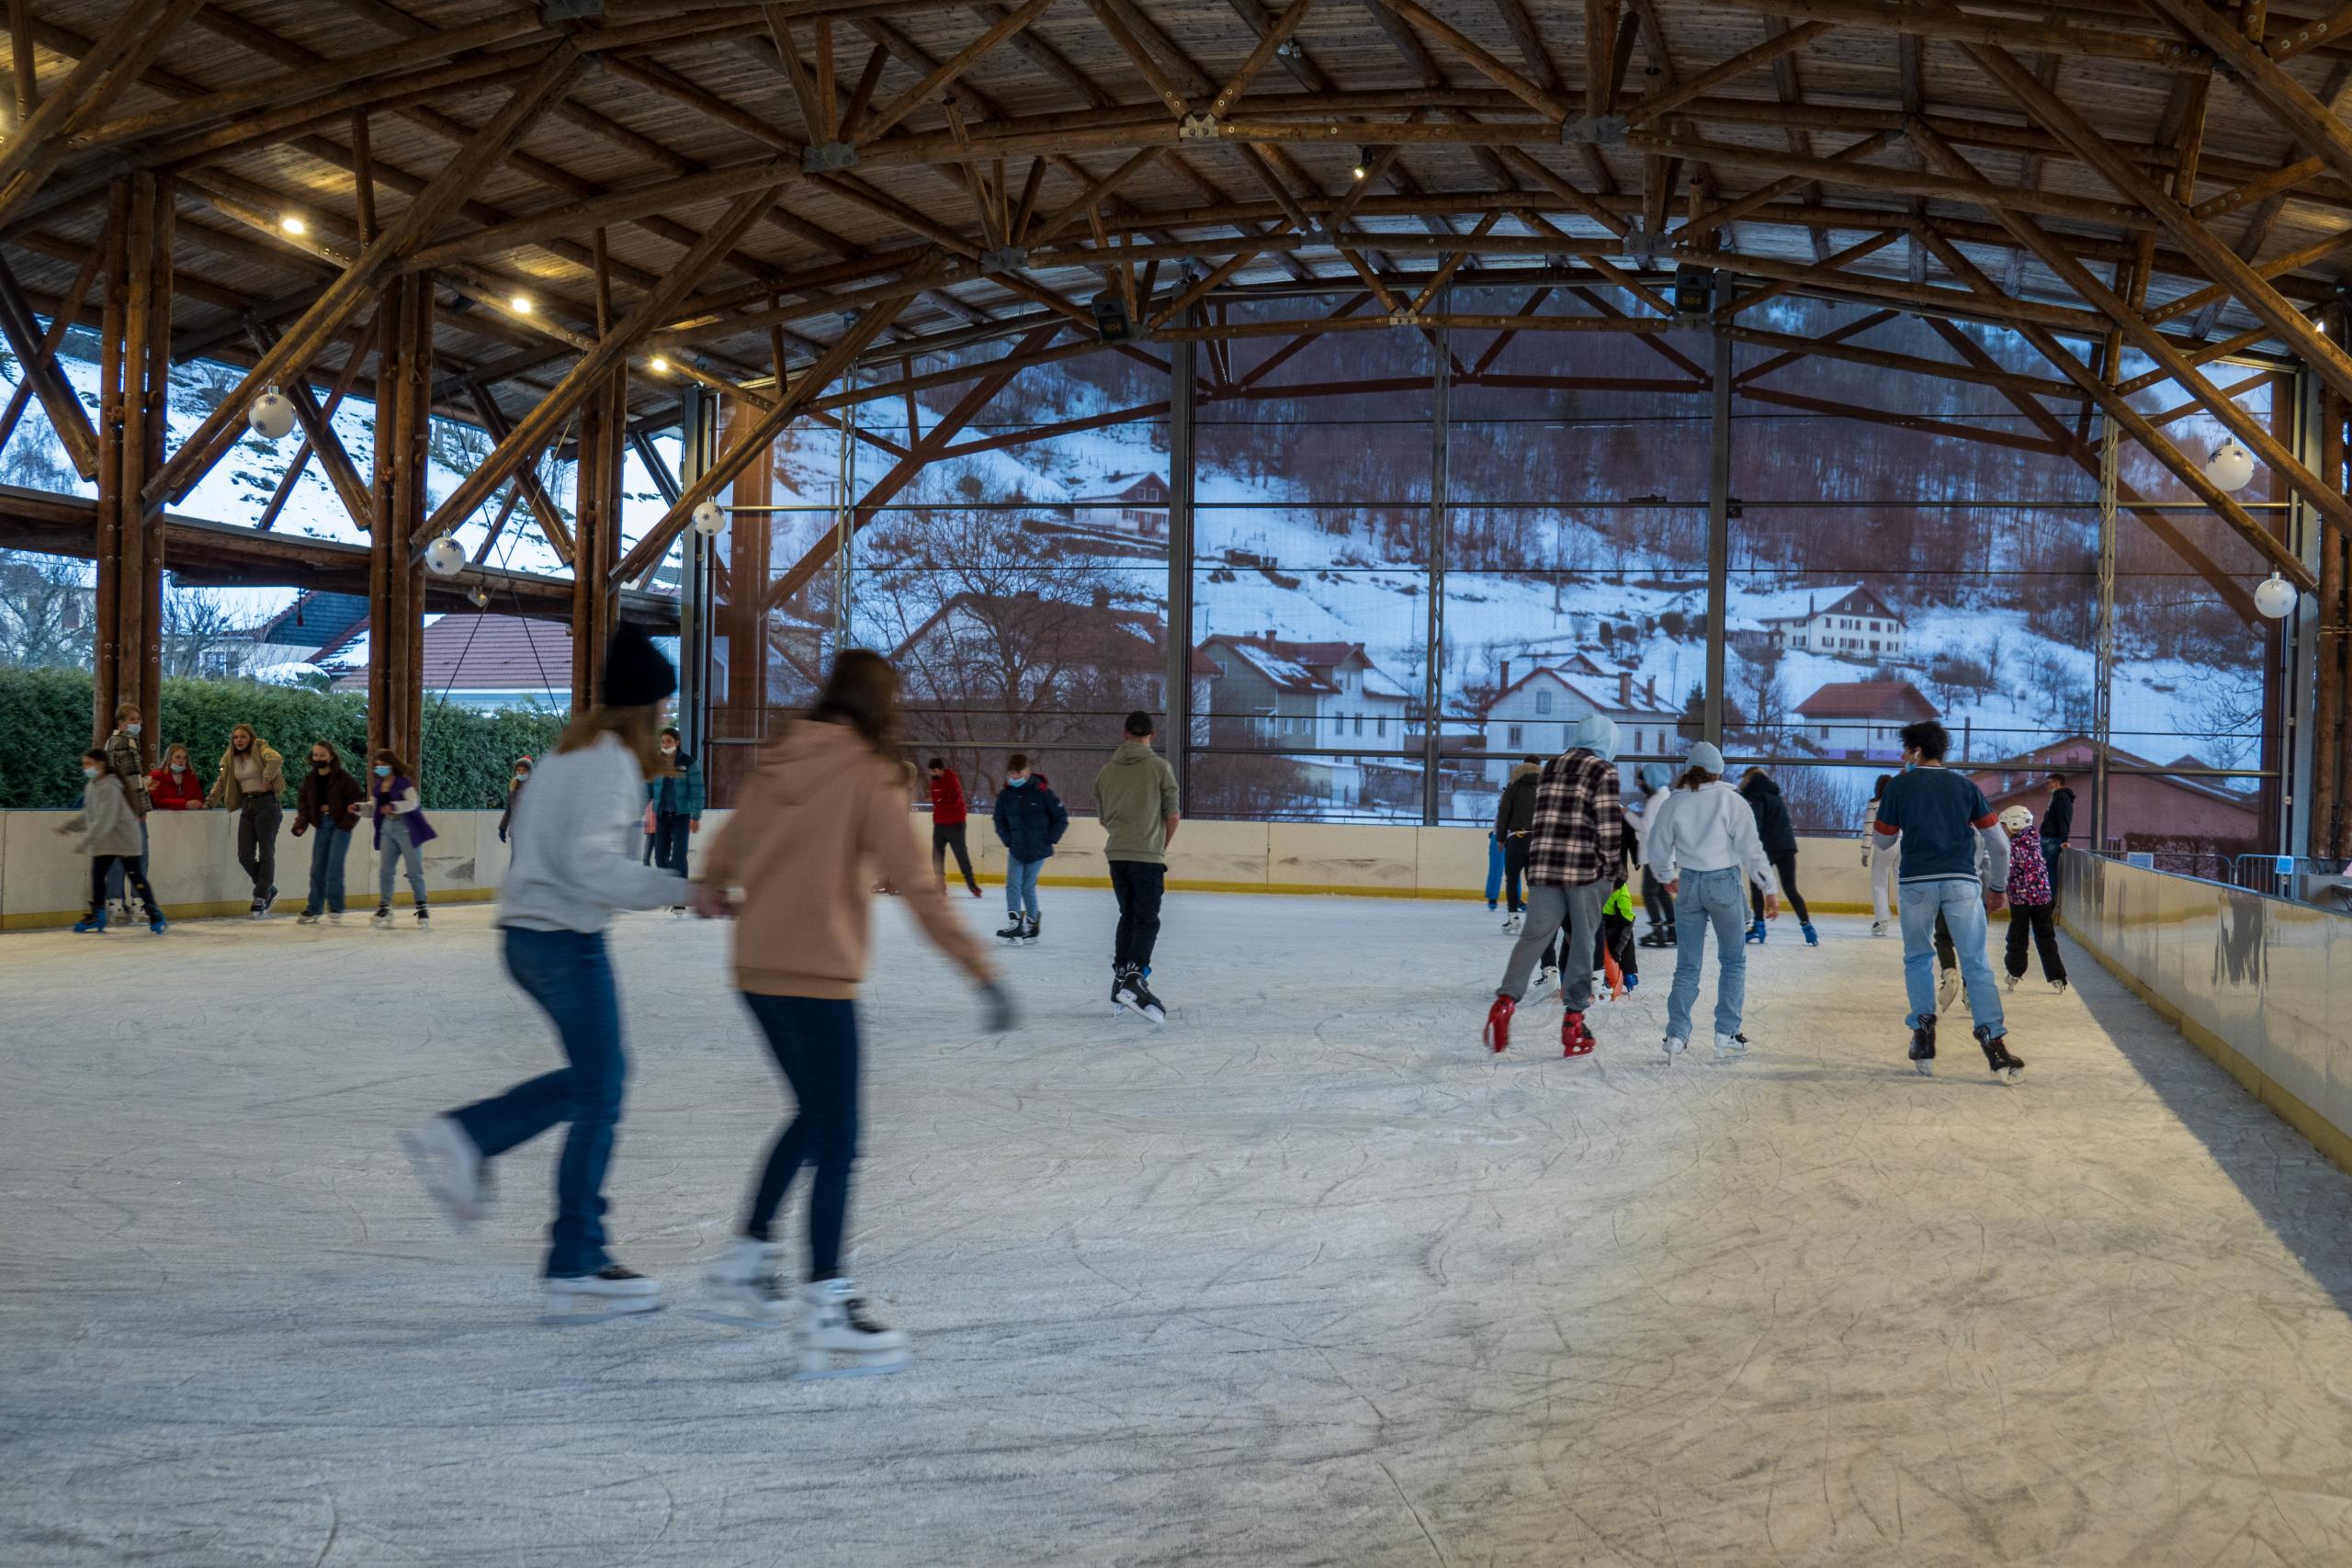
[1548, 906]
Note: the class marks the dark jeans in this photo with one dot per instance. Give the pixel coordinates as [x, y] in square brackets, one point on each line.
[1947, 952]
[114, 878]
[329, 849]
[1657, 901]
[133, 870]
[946, 836]
[2042, 921]
[571, 976]
[258, 822]
[814, 1040]
[1787, 867]
[670, 842]
[2052, 854]
[1515, 847]
[1138, 886]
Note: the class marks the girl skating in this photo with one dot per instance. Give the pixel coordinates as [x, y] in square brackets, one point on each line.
[573, 865]
[401, 834]
[1703, 846]
[827, 802]
[2033, 904]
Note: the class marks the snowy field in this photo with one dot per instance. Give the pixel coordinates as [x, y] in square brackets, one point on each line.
[1308, 1278]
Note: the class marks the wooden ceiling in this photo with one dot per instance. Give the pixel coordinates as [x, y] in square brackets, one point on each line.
[811, 181]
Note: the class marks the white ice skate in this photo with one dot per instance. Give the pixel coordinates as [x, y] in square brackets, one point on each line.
[2058, 988]
[1730, 1047]
[837, 1339]
[1511, 924]
[1878, 928]
[612, 1292]
[744, 1286]
[1675, 1047]
[2009, 982]
[1947, 988]
[450, 1167]
[1546, 976]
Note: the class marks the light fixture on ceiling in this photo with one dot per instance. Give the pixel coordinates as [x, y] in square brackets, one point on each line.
[522, 304]
[293, 224]
[444, 557]
[2230, 467]
[272, 414]
[1363, 164]
[478, 596]
[2277, 597]
[710, 519]
[657, 365]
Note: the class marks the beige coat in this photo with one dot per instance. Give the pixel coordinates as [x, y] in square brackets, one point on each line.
[228, 793]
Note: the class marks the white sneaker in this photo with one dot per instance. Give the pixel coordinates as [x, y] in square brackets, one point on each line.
[838, 1339]
[1947, 988]
[612, 1292]
[1730, 1047]
[449, 1166]
[744, 1281]
[1675, 1047]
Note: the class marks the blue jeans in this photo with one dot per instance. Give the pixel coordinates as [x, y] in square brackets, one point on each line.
[1021, 886]
[571, 976]
[1709, 898]
[1961, 904]
[328, 848]
[1493, 870]
[396, 847]
[814, 1040]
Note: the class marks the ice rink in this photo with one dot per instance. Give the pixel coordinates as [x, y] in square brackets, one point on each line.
[1307, 1277]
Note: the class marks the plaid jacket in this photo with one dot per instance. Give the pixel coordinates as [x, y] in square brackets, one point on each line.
[1578, 833]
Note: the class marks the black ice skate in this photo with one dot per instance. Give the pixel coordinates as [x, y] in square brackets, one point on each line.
[1133, 994]
[2006, 1068]
[1029, 937]
[1015, 931]
[1923, 1045]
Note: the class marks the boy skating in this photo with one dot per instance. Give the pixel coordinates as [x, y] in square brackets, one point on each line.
[1029, 821]
[1574, 855]
[1943, 818]
[1135, 798]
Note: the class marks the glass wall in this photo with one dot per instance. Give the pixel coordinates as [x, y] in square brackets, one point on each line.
[1421, 554]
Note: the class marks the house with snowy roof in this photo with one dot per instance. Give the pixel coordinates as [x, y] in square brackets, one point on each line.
[1129, 502]
[297, 634]
[1850, 622]
[2145, 808]
[1535, 715]
[1314, 698]
[1862, 718]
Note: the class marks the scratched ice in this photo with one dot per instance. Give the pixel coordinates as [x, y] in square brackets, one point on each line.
[1308, 1278]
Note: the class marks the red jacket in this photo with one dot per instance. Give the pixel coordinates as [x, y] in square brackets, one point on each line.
[946, 799]
[165, 793]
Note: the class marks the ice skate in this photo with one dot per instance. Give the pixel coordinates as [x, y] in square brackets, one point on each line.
[1675, 1047]
[1547, 975]
[92, 924]
[1029, 937]
[1136, 997]
[423, 916]
[260, 908]
[306, 918]
[1015, 931]
[1923, 1045]
[334, 917]
[382, 919]
[450, 1167]
[158, 926]
[1496, 1035]
[837, 1339]
[1730, 1047]
[1812, 937]
[2058, 987]
[1756, 931]
[1657, 936]
[2006, 1068]
[612, 1292]
[1878, 928]
[744, 1286]
[1575, 1040]
[1947, 988]
[1118, 990]
[1511, 922]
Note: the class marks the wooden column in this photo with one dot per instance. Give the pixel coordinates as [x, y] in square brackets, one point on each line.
[595, 597]
[135, 381]
[395, 575]
[2332, 674]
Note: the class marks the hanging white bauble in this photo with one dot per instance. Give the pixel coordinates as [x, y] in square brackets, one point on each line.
[444, 557]
[2230, 467]
[2277, 597]
[710, 518]
[272, 415]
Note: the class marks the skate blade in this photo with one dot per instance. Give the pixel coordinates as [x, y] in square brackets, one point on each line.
[1925, 1069]
[2006, 1076]
[1158, 1018]
[1580, 1049]
[735, 1318]
[567, 1314]
[817, 1366]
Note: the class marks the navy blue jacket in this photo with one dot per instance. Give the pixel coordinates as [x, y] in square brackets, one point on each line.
[1029, 820]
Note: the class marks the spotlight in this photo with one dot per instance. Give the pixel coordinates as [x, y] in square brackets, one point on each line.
[522, 303]
[657, 365]
[1363, 164]
[292, 223]
[478, 596]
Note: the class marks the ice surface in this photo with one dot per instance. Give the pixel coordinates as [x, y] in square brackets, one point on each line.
[1308, 1278]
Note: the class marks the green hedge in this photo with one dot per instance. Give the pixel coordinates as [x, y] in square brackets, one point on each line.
[45, 724]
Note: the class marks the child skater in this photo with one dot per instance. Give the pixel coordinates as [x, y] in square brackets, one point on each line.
[1029, 820]
[109, 830]
[826, 802]
[2033, 905]
[401, 834]
[573, 865]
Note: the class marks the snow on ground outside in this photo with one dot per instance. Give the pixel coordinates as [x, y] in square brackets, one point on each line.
[1309, 1278]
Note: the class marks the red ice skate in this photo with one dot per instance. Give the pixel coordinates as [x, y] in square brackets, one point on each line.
[1575, 1040]
[1498, 1034]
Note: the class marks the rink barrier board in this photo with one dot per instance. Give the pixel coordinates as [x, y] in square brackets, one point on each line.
[192, 863]
[2247, 980]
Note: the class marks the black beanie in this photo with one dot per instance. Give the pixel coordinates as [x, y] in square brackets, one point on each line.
[636, 675]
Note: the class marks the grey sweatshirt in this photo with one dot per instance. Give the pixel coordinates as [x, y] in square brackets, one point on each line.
[107, 823]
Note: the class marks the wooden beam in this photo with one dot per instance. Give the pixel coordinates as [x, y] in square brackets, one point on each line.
[1650, 107]
[38, 145]
[948, 69]
[2286, 100]
[37, 364]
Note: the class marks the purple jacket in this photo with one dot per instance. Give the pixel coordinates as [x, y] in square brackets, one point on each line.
[2028, 877]
[420, 831]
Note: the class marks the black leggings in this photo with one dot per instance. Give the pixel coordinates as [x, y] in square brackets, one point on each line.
[2039, 920]
[1787, 866]
[134, 872]
[814, 1040]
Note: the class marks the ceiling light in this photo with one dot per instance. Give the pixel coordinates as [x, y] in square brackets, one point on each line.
[657, 365]
[2230, 467]
[292, 223]
[1361, 163]
[522, 303]
[2277, 597]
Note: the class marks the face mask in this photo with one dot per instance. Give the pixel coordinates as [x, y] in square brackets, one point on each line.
[132, 728]
[383, 771]
[520, 777]
[88, 772]
[322, 767]
[668, 751]
[1018, 782]
[179, 767]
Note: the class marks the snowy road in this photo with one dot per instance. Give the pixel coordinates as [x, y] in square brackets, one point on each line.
[1306, 1279]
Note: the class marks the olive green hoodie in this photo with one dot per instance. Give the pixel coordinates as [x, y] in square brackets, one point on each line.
[1135, 795]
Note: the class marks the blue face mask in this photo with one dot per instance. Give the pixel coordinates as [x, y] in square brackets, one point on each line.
[1016, 783]
[383, 771]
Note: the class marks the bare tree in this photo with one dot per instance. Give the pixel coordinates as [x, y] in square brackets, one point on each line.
[195, 627]
[45, 612]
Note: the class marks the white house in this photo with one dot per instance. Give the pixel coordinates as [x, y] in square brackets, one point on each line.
[1127, 502]
[1535, 715]
[1306, 698]
[1862, 718]
[1849, 622]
